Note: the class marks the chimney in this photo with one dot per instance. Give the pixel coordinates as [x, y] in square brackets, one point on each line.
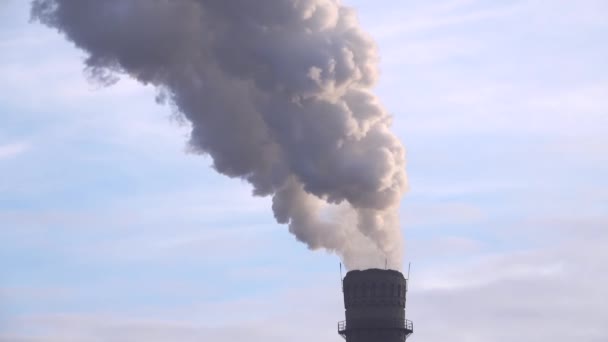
[374, 300]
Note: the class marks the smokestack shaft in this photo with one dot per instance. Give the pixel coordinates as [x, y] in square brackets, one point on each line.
[375, 307]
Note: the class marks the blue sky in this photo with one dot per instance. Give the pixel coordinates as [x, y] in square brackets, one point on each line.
[111, 231]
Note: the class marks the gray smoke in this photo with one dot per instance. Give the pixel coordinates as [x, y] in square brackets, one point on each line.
[278, 93]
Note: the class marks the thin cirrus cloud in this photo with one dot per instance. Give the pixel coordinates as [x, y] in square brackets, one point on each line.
[12, 150]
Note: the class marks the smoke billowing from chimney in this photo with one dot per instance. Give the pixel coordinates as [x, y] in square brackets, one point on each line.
[278, 93]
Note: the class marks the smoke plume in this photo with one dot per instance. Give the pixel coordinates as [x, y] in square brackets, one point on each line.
[278, 92]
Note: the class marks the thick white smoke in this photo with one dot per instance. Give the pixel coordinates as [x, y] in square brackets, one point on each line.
[278, 93]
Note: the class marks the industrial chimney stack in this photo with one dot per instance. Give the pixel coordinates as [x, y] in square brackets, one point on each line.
[374, 300]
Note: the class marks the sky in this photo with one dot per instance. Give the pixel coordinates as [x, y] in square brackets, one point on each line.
[110, 230]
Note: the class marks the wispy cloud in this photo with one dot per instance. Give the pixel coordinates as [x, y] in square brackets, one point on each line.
[495, 296]
[441, 16]
[13, 150]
